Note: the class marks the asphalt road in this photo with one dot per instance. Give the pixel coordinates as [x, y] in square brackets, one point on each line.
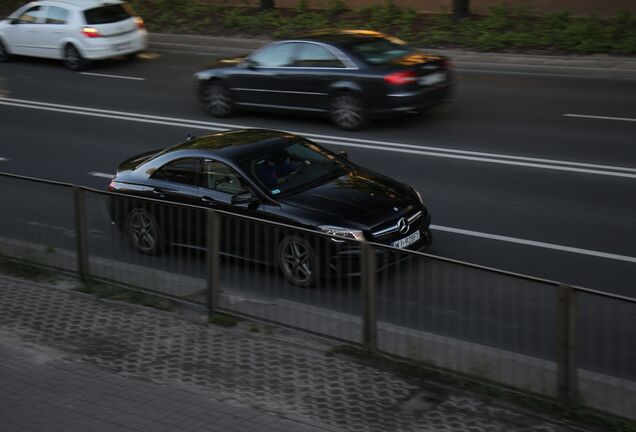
[511, 181]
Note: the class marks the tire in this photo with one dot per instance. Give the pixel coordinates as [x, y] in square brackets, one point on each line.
[298, 261]
[217, 100]
[73, 58]
[144, 232]
[4, 52]
[347, 112]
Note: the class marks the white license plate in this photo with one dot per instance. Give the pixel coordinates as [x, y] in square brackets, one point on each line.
[121, 46]
[433, 78]
[402, 243]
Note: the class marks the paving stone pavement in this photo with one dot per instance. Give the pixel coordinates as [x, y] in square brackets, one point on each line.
[125, 364]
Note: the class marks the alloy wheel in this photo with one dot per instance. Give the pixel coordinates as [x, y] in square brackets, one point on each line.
[217, 100]
[347, 112]
[143, 231]
[72, 58]
[297, 261]
[4, 52]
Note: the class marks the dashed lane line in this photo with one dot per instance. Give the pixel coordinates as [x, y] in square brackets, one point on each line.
[113, 76]
[596, 117]
[101, 174]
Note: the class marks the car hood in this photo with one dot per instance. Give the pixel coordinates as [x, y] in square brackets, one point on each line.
[358, 199]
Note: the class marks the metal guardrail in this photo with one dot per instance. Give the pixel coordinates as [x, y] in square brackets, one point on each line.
[450, 313]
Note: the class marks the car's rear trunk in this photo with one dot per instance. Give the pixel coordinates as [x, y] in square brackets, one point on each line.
[111, 20]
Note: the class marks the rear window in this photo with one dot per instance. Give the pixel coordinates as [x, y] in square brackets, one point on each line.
[107, 14]
[380, 50]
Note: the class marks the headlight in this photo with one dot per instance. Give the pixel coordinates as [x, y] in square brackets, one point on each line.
[419, 196]
[342, 232]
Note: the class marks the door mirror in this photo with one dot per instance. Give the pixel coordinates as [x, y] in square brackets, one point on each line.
[343, 155]
[250, 64]
[243, 198]
[14, 21]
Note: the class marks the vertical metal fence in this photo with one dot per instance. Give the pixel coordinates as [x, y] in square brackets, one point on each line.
[572, 343]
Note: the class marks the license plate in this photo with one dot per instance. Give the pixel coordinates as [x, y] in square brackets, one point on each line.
[121, 46]
[406, 241]
[433, 78]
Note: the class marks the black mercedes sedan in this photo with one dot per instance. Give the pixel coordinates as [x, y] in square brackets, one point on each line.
[267, 178]
[349, 75]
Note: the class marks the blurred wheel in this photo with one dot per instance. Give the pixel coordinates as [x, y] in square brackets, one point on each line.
[217, 100]
[73, 59]
[144, 232]
[347, 112]
[4, 52]
[298, 261]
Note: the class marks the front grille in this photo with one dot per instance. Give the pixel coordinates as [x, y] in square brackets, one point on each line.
[395, 228]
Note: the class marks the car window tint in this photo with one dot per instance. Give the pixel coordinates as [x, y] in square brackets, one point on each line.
[278, 55]
[107, 14]
[312, 55]
[220, 177]
[182, 171]
[56, 15]
[380, 50]
[31, 15]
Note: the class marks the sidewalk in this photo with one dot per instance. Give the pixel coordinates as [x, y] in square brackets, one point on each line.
[71, 362]
[594, 66]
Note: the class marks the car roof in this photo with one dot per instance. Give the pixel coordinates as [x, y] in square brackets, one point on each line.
[341, 35]
[83, 4]
[236, 145]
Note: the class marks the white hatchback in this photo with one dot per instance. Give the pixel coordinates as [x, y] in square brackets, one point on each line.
[75, 31]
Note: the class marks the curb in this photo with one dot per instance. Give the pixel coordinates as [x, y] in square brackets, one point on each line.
[595, 66]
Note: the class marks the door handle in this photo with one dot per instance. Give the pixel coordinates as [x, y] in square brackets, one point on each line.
[208, 200]
[159, 192]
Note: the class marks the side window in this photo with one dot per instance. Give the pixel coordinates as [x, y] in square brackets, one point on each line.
[182, 171]
[56, 15]
[31, 15]
[221, 178]
[312, 55]
[278, 55]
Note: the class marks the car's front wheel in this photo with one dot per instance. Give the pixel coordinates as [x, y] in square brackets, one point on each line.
[347, 112]
[298, 261]
[73, 58]
[4, 52]
[143, 231]
[217, 100]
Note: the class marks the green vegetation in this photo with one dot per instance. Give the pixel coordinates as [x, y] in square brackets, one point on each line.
[26, 270]
[223, 320]
[482, 386]
[102, 290]
[505, 28]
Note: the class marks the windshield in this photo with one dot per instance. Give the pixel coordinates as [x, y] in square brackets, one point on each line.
[380, 50]
[298, 166]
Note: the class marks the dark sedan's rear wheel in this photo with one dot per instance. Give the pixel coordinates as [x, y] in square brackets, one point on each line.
[73, 58]
[144, 232]
[347, 112]
[217, 100]
[298, 261]
[4, 52]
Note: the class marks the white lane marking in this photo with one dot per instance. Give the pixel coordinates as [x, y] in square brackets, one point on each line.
[539, 244]
[101, 174]
[595, 117]
[3, 159]
[542, 163]
[113, 76]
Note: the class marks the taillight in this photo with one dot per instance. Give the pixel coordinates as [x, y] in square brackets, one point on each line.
[402, 77]
[140, 23]
[91, 32]
[111, 186]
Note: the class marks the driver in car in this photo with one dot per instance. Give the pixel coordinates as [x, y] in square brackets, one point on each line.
[275, 170]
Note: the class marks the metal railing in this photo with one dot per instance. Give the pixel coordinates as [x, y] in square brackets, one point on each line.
[572, 343]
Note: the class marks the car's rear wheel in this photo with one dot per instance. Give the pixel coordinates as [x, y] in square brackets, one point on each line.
[73, 58]
[217, 100]
[347, 112]
[4, 52]
[298, 261]
[143, 231]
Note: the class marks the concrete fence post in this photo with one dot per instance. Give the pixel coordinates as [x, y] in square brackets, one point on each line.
[213, 242]
[81, 233]
[369, 309]
[566, 354]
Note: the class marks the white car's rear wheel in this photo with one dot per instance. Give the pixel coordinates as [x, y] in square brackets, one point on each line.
[73, 58]
[4, 52]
